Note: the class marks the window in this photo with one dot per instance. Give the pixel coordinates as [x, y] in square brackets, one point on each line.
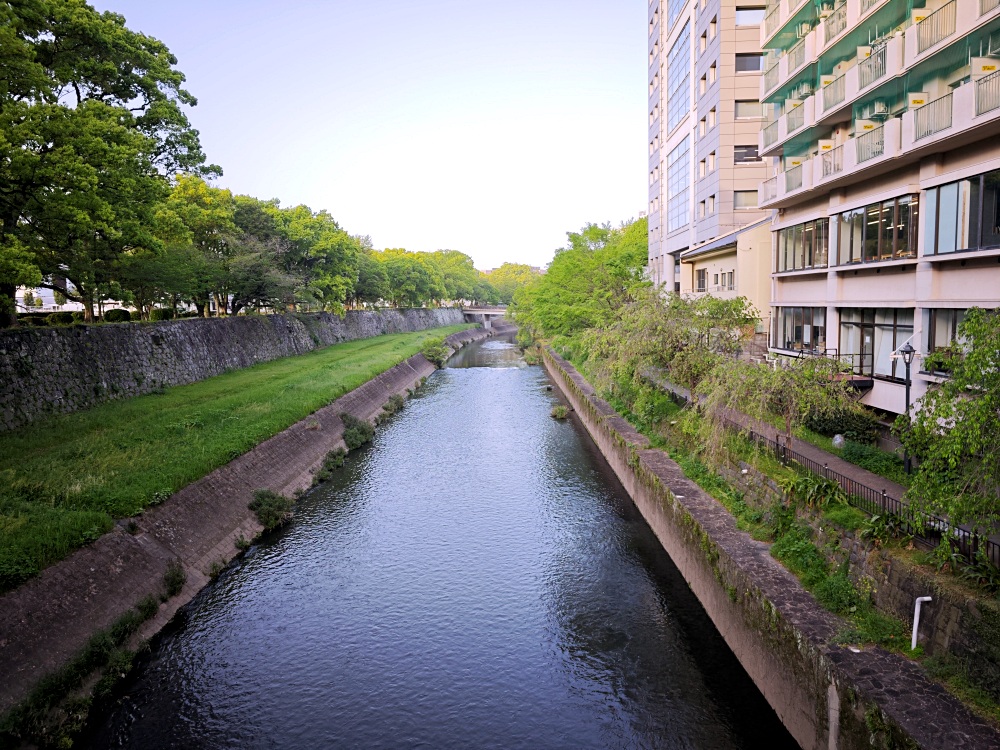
[701, 280]
[701, 128]
[745, 154]
[729, 281]
[702, 85]
[701, 168]
[803, 246]
[711, 118]
[799, 328]
[963, 215]
[710, 204]
[654, 83]
[745, 199]
[678, 77]
[712, 73]
[674, 8]
[712, 26]
[678, 186]
[711, 162]
[748, 63]
[749, 16]
[942, 328]
[748, 109]
[703, 42]
[715, 279]
[868, 337]
[881, 231]
[701, 208]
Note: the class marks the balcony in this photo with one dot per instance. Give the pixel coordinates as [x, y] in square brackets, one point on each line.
[794, 120]
[790, 64]
[937, 26]
[949, 23]
[832, 161]
[933, 117]
[988, 92]
[834, 24]
[884, 64]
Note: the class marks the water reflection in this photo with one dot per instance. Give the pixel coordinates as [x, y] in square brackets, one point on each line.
[474, 579]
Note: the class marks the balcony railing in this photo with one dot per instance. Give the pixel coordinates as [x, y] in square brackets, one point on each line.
[771, 134]
[867, 5]
[793, 178]
[872, 67]
[796, 118]
[833, 161]
[771, 77]
[870, 144]
[768, 190]
[988, 92]
[937, 26]
[834, 92]
[771, 21]
[985, 6]
[797, 54]
[932, 117]
[835, 23]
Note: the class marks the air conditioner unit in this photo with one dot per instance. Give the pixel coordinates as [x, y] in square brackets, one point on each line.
[876, 110]
[803, 29]
[804, 90]
[916, 99]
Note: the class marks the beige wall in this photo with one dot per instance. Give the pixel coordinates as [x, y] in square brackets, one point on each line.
[749, 259]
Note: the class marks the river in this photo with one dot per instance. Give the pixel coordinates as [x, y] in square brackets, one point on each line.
[476, 578]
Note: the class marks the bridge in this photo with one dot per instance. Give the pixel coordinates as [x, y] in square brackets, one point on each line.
[484, 315]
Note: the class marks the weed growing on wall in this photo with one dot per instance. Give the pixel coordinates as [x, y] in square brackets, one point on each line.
[357, 432]
[333, 461]
[272, 509]
[436, 351]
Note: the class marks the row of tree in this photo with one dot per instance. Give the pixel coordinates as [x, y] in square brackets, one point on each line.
[105, 192]
[596, 305]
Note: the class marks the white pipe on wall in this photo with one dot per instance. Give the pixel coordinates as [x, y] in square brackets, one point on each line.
[916, 619]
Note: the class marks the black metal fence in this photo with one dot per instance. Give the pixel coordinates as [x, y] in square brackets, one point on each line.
[925, 528]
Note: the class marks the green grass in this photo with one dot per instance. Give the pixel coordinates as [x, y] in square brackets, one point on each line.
[63, 481]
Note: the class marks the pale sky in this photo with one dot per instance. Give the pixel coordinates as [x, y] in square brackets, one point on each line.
[487, 127]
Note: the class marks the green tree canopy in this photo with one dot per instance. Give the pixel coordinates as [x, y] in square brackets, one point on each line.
[509, 278]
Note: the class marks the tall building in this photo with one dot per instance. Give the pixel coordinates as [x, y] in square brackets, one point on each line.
[704, 120]
[886, 179]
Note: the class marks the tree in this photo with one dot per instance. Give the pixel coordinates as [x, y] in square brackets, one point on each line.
[412, 278]
[954, 430]
[372, 284]
[459, 276]
[509, 278]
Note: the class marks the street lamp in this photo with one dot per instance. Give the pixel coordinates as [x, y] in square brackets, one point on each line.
[906, 351]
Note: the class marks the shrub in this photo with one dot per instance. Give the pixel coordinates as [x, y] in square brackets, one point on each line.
[174, 579]
[161, 313]
[887, 465]
[860, 426]
[117, 315]
[271, 508]
[801, 557]
[837, 594]
[436, 351]
[813, 491]
[560, 412]
[60, 319]
[845, 516]
[333, 461]
[357, 432]
[78, 316]
[393, 405]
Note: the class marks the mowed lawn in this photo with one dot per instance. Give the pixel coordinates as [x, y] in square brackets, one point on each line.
[63, 481]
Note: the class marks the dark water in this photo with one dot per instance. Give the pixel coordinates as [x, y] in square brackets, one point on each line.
[475, 579]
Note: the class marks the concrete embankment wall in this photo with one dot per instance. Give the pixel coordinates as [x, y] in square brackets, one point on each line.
[45, 371]
[47, 620]
[827, 695]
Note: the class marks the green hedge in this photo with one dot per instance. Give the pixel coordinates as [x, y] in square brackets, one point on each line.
[861, 427]
[117, 316]
[161, 313]
[60, 319]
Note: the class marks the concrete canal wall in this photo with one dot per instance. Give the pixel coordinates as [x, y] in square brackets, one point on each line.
[828, 696]
[49, 619]
[45, 371]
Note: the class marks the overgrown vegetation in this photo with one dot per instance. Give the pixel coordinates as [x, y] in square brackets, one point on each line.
[357, 432]
[272, 509]
[436, 351]
[64, 480]
[174, 579]
[331, 462]
[560, 411]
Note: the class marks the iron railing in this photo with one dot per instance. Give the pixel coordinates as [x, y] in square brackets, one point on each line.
[867, 5]
[834, 92]
[796, 118]
[835, 23]
[771, 134]
[793, 178]
[988, 91]
[937, 26]
[932, 117]
[871, 144]
[872, 67]
[833, 161]
[768, 190]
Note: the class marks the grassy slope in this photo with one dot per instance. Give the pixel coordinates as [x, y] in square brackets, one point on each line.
[64, 480]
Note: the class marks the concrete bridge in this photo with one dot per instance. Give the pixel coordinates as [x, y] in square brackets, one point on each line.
[484, 315]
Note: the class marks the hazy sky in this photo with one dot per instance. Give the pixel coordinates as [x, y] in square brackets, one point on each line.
[487, 127]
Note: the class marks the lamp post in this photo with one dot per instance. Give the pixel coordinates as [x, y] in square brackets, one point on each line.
[906, 351]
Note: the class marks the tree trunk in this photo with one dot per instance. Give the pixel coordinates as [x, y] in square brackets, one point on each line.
[8, 313]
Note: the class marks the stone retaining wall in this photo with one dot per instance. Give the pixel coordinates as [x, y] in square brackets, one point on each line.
[827, 695]
[47, 620]
[51, 370]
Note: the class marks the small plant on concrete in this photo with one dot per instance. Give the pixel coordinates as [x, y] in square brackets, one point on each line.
[560, 411]
[174, 579]
[812, 491]
[333, 461]
[357, 432]
[436, 351]
[393, 405]
[271, 508]
[242, 543]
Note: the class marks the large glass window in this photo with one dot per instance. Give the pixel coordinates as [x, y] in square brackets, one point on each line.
[749, 16]
[679, 186]
[749, 63]
[799, 328]
[869, 336]
[746, 154]
[674, 8]
[804, 245]
[963, 215]
[746, 108]
[942, 328]
[880, 231]
[679, 78]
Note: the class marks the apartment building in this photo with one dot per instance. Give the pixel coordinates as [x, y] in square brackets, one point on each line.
[886, 179]
[705, 117]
